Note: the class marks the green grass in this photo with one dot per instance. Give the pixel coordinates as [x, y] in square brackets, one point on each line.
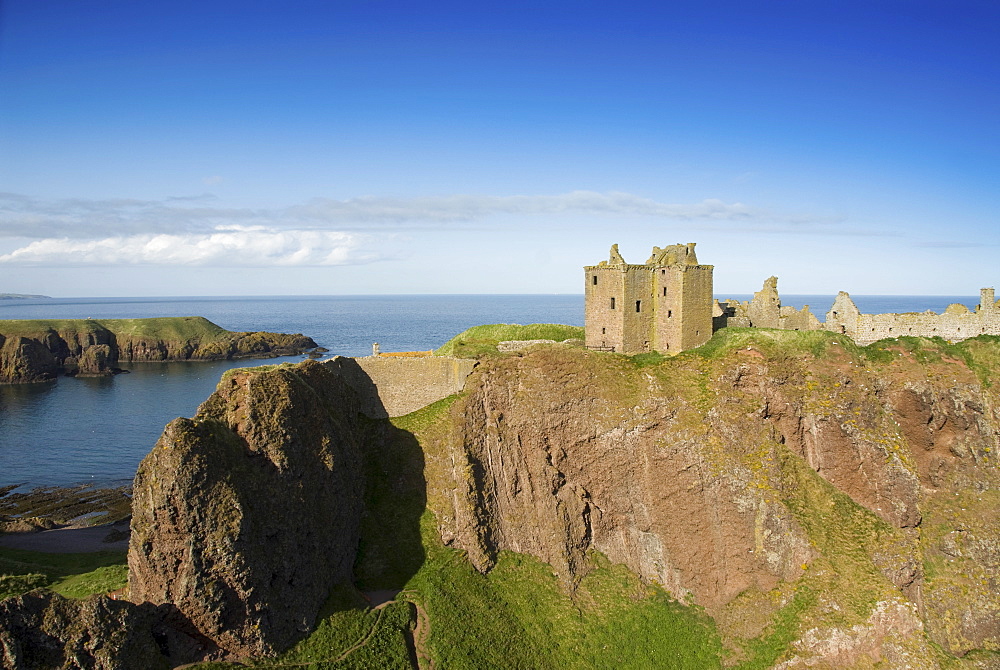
[774, 343]
[163, 328]
[72, 575]
[344, 623]
[482, 340]
[765, 650]
[102, 580]
[518, 616]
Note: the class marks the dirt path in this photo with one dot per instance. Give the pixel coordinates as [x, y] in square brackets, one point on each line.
[420, 633]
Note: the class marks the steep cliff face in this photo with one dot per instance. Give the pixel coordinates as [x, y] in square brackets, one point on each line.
[38, 350]
[746, 471]
[245, 516]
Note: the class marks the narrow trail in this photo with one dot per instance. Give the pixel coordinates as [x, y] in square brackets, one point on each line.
[420, 633]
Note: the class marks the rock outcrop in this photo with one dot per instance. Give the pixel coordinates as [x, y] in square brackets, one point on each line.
[39, 350]
[245, 516]
[730, 476]
[42, 629]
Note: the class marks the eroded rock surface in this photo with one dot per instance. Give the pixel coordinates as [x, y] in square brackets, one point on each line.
[42, 629]
[246, 515]
[730, 477]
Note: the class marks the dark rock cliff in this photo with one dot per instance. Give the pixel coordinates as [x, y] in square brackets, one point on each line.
[245, 516]
[33, 351]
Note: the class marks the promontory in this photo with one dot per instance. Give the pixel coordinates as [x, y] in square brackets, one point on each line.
[40, 349]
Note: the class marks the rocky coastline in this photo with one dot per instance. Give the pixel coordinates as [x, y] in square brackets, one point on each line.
[41, 350]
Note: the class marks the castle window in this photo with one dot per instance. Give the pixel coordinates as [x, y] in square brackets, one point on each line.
[664, 291]
[670, 313]
[604, 331]
[638, 305]
[663, 272]
[612, 303]
[595, 280]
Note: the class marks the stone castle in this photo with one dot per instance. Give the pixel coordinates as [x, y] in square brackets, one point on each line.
[667, 305]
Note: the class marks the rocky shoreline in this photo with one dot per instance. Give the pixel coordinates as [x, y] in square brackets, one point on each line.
[59, 507]
[40, 350]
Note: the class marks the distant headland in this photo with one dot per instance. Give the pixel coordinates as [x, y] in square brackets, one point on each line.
[41, 349]
[23, 296]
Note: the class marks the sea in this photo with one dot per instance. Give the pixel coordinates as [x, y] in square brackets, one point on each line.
[96, 430]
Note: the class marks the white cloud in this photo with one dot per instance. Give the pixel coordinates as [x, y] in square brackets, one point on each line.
[233, 248]
[21, 216]
[457, 208]
[192, 230]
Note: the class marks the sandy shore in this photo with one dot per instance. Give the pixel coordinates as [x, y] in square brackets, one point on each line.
[69, 540]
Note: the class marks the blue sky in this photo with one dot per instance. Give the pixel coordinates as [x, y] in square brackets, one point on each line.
[222, 148]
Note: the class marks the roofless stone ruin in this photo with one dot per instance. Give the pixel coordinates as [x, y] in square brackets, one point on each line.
[666, 304]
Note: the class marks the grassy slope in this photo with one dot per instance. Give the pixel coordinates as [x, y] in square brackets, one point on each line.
[482, 340]
[72, 575]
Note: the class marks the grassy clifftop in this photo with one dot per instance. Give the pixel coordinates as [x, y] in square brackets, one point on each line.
[482, 340]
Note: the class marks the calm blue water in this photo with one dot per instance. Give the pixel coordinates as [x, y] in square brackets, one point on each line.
[98, 429]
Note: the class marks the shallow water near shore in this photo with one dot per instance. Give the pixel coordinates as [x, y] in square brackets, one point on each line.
[96, 430]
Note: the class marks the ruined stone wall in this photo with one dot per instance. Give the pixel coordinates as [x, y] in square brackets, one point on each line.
[955, 324]
[396, 386]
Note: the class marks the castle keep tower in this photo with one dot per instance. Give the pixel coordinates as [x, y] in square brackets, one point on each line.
[664, 305]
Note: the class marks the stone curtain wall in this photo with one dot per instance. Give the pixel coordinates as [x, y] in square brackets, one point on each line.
[951, 326]
[396, 386]
[955, 324]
